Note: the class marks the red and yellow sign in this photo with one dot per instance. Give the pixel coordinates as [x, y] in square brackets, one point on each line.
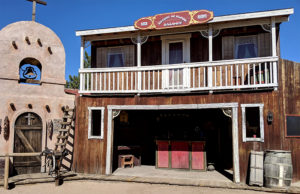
[173, 20]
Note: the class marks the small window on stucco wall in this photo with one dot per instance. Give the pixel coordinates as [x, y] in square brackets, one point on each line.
[30, 71]
[96, 122]
[252, 122]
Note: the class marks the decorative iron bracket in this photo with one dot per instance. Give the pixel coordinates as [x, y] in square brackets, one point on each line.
[215, 33]
[116, 113]
[6, 128]
[49, 127]
[266, 27]
[227, 112]
[141, 40]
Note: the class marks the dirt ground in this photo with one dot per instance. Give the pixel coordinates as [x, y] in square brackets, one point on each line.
[90, 187]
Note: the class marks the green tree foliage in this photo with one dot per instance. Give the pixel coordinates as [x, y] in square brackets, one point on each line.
[74, 80]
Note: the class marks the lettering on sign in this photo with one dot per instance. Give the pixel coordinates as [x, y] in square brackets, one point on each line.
[56, 125]
[175, 19]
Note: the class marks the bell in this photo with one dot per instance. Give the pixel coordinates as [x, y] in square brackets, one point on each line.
[29, 72]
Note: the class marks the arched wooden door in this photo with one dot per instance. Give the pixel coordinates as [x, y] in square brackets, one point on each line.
[27, 138]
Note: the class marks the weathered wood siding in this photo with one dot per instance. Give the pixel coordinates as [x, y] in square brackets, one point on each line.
[151, 49]
[289, 75]
[90, 155]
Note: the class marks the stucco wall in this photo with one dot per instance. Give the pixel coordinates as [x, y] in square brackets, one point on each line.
[50, 92]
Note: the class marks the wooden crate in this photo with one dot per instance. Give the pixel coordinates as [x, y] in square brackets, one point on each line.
[256, 168]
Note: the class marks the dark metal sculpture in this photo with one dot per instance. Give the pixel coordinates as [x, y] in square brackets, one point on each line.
[50, 129]
[6, 128]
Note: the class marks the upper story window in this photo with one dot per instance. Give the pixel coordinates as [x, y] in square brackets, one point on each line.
[30, 71]
[117, 56]
[245, 47]
[239, 47]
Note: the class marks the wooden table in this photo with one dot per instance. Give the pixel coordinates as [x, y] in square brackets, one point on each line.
[188, 155]
[133, 150]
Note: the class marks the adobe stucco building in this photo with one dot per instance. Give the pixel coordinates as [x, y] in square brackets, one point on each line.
[32, 79]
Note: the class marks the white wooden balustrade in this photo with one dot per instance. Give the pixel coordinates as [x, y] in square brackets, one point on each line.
[225, 75]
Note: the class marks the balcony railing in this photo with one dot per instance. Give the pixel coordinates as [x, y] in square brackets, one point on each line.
[204, 76]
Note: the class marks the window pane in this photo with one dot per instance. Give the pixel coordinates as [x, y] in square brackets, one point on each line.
[115, 60]
[246, 51]
[252, 122]
[96, 123]
[293, 125]
[175, 53]
[245, 47]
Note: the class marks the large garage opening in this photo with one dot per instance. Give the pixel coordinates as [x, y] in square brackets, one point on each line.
[172, 142]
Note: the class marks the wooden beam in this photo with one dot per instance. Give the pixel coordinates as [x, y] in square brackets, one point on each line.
[6, 172]
[21, 154]
[39, 2]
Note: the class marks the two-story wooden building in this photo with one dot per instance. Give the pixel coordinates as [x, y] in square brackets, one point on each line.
[184, 89]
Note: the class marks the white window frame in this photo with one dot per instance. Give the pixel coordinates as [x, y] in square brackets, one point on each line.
[261, 122]
[166, 40]
[236, 44]
[90, 136]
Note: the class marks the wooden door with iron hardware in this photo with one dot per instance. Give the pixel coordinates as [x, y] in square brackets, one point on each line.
[27, 138]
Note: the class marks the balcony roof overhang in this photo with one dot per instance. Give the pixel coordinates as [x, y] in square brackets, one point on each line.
[219, 22]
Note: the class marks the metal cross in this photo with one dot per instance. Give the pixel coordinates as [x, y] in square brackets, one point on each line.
[34, 6]
[29, 118]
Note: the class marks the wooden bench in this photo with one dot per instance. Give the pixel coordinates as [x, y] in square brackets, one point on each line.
[127, 160]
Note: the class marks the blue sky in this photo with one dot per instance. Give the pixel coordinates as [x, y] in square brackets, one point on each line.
[64, 17]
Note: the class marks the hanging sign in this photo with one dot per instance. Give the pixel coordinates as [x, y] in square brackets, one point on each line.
[173, 20]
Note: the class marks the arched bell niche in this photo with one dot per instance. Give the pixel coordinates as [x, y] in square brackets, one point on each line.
[30, 71]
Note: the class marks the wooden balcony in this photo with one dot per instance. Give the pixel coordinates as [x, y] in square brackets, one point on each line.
[225, 75]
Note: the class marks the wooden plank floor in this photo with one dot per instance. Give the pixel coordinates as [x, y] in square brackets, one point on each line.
[151, 172]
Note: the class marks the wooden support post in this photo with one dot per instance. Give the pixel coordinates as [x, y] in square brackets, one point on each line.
[274, 50]
[6, 171]
[210, 56]
[108, 167]
[81, 63]
[139, 63]
[235, 145]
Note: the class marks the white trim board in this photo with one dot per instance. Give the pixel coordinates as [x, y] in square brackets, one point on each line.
[90, 109]
[217, 19]
[261, 122]
[235, 140]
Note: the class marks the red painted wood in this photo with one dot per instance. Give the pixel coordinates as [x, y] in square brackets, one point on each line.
[180, 154]
[174, 19]
[202, 16]
[198, 162]
[162, 154]
[171, 20]
[144, 23]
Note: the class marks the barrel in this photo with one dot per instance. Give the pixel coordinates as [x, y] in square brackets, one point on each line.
[278, 168]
